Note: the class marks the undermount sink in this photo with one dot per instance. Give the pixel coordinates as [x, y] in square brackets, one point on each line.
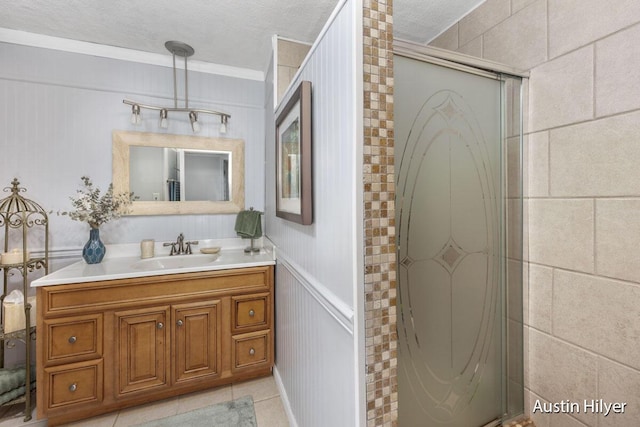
[175, 262]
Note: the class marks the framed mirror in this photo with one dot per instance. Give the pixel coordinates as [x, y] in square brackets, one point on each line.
[179, 174]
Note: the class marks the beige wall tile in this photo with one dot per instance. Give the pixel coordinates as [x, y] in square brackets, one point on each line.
[561, 233]
[540, 297]
[482, 18]
[618, 72]
[564, 420]
[573, 24]
[472, 48]
[291, 54]
[559, 371]
[540, 419]
[619, 383]
[561, 91]
[618, 238]
[597, 314]
[448, 39]
[517, 5]
[519, 41]
[538, 164]
[598, 158]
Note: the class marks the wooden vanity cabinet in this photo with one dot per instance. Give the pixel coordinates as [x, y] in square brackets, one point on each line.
[103, 346]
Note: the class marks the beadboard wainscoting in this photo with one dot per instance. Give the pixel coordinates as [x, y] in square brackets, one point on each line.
[314, 351]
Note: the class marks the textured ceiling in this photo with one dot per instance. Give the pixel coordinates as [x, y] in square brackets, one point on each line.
[234, 33]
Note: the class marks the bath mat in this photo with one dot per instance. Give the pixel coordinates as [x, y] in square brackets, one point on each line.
[235, 413]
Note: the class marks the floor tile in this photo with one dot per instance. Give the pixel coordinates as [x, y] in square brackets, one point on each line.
[106, 420]
[268, 407]
[260, 389]
[144, 413]
[271, 413]
[201, 399]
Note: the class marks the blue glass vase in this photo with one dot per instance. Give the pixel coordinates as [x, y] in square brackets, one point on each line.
[94, 250]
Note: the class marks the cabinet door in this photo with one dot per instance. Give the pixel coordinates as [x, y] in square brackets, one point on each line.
[143, 350]
[196, 340]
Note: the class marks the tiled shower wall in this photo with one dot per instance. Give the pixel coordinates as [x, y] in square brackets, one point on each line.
[379, 215]
[582, 188]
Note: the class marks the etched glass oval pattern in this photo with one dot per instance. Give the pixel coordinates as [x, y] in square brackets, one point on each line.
[449, 256]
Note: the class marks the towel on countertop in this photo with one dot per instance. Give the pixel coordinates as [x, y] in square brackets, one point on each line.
[248, 224]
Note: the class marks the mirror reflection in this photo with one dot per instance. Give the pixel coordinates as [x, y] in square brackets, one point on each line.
[178, 174]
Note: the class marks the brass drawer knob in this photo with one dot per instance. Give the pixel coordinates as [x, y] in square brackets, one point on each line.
[73, 387]
[252, 313]
[72, 339]
[179, 323]
[252, 351]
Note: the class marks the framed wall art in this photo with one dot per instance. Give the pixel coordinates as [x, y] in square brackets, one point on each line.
[294, 186]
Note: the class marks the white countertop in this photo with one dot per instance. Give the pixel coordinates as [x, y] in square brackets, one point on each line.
[123, 261]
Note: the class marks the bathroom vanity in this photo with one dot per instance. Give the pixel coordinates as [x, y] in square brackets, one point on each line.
[128, 331]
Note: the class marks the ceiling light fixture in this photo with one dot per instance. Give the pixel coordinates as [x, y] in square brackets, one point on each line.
[184, 50]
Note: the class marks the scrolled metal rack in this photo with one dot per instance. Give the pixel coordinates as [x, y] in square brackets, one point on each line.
[18, 216]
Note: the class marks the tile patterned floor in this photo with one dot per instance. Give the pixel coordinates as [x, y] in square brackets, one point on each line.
[266, 397]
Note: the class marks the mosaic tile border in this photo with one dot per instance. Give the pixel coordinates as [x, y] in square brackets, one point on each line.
[379, 216]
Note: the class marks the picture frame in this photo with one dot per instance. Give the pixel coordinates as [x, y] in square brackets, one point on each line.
[294, 186]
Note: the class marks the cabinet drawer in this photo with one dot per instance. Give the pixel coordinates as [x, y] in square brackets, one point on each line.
[251, 349]
[78, 383]
[250, 312]
[73, 338]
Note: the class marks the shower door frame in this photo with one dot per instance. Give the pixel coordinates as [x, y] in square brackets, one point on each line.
[500, 72]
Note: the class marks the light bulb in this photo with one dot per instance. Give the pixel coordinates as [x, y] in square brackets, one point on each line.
[164, 123]
[136, 118]
[193, 116]
[223, 124]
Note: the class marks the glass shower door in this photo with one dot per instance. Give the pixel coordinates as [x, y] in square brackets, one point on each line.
[451, 210]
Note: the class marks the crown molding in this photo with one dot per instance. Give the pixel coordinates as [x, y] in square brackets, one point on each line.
[85, 48]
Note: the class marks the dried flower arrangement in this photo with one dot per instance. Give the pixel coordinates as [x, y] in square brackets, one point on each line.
[96, 209]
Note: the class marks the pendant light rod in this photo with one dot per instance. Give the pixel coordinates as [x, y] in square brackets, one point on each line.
[184, 50]
[178, 109]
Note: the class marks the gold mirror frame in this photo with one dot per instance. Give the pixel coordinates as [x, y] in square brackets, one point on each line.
[122, 140]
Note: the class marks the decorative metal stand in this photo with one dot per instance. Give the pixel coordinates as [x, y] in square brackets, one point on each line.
[19, 216]
[251, 249]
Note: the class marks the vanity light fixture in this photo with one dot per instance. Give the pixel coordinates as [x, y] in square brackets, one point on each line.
[184, 50]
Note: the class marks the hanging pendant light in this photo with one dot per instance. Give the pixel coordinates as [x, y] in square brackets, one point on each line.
[184, 50]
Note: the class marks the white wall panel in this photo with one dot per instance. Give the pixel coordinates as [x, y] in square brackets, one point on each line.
[314, 357]
[315, 286]
[325, 249]
[57, 112]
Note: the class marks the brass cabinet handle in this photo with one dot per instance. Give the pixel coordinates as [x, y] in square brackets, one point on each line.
[73, 387]
[252, 351]
[72, 339]
[252, 313]
[160, 325]
[179, 323]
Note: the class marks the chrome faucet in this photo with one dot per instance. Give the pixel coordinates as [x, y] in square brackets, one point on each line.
[180, 247]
